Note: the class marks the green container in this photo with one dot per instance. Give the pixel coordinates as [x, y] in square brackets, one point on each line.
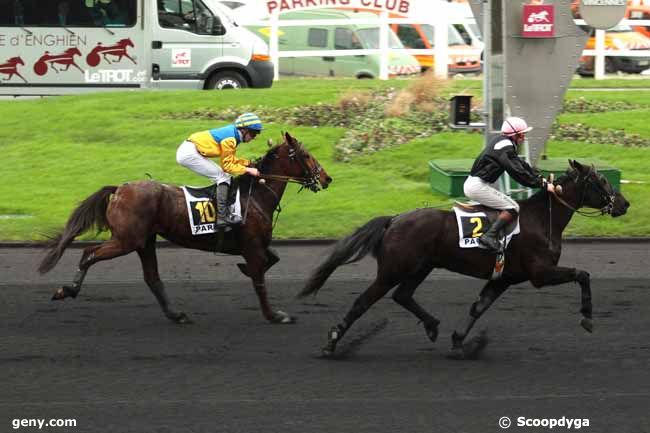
[447, 176]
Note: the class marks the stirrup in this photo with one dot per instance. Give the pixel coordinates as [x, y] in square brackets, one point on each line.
[494, 247]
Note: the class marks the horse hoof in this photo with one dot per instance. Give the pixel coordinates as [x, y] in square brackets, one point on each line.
[456, 353]
[326, 352]
[432, 332]
[587, 324]
[474, 348]
[64, 292]
[282, 318]
[59, 295]
[181, 319]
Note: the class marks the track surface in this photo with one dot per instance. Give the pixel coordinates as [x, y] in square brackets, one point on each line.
[110, 359]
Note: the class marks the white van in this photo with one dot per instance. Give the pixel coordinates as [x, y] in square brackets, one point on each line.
[343, 36]
[68, 46]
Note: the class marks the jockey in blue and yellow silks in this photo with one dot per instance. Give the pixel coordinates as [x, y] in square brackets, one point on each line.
[194, 152]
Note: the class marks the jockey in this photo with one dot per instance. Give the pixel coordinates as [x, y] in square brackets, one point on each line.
[194, 152]
[498, 156]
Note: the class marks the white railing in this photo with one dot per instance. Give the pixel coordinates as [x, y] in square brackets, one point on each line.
[441, 50]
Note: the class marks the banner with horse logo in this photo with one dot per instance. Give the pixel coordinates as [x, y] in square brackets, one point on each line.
[201, 209]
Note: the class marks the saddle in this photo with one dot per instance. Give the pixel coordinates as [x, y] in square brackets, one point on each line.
[490, 213]
[210, 192]
[202, 206]
[473, 220]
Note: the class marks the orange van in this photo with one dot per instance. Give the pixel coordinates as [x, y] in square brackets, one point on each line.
[639, 10]
[620, 37]
[421, 36]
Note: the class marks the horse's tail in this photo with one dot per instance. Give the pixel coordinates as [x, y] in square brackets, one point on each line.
[351, 249]
[91, 212]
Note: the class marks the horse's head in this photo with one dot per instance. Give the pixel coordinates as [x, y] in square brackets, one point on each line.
[595, 191]
[16, 61]
[125, 42]
[294, 161]
[73, 52]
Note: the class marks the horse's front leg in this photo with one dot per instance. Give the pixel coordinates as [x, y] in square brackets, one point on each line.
[560, 275]
[256, 262]
[489, 294]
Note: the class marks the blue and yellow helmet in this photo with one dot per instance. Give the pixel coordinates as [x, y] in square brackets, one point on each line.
[249, 121]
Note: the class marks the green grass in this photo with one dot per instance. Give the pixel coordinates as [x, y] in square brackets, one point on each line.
[57, 151]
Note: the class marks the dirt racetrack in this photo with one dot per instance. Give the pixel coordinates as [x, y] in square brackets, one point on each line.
[110, 360]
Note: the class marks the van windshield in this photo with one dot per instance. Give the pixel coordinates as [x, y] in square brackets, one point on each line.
[370, 38]
[453, 37]
[621, 28]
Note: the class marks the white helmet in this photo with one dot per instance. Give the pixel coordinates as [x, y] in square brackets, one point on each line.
[515, 125]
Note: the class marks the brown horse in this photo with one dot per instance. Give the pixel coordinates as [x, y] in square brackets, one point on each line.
[137, 212]
[409, 246]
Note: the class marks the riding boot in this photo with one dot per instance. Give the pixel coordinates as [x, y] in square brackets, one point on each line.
[224, 217]
[491, 238]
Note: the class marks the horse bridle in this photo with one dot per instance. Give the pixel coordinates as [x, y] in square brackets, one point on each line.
[310, 178]
[609, 198]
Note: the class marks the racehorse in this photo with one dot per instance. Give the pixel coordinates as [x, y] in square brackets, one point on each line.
[409, 246]
[11, 68]
[136, 212]
[118, 50]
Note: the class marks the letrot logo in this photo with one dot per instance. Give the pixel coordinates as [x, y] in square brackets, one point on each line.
[538, 21]
[181, 58]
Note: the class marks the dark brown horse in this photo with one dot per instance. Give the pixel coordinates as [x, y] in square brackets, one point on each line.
[137, 212]
[409, 246]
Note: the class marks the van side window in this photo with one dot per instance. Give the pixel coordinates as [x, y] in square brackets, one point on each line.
[69, 13]
[190, 15]
[410, 36]
[317, 38]
[346, 39]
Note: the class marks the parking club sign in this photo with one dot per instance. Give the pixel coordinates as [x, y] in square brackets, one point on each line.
[538, 21]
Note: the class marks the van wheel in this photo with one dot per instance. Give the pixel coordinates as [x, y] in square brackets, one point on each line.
[226, 80]
[610, 66]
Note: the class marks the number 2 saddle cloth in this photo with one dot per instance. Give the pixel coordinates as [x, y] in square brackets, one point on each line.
[473, 220]
[201, 208]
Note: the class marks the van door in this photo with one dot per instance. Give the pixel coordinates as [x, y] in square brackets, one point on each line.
[350, 66]
[186, 38]
[316, 38]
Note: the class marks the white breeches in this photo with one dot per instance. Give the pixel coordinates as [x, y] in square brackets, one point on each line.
[189, 157]
[478, 190]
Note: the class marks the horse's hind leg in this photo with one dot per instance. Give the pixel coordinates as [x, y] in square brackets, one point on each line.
[403, 295]
[375, 292]
[489, 294]
[152, 278]
[91, 255]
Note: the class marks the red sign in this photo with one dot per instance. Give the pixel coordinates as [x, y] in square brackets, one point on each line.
[538, 21]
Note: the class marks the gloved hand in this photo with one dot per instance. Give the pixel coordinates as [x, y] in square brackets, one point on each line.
[548, 186]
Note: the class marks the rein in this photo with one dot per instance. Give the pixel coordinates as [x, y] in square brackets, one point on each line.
[557, 190]
[287, 179]
[607, 209]
[309, 181]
